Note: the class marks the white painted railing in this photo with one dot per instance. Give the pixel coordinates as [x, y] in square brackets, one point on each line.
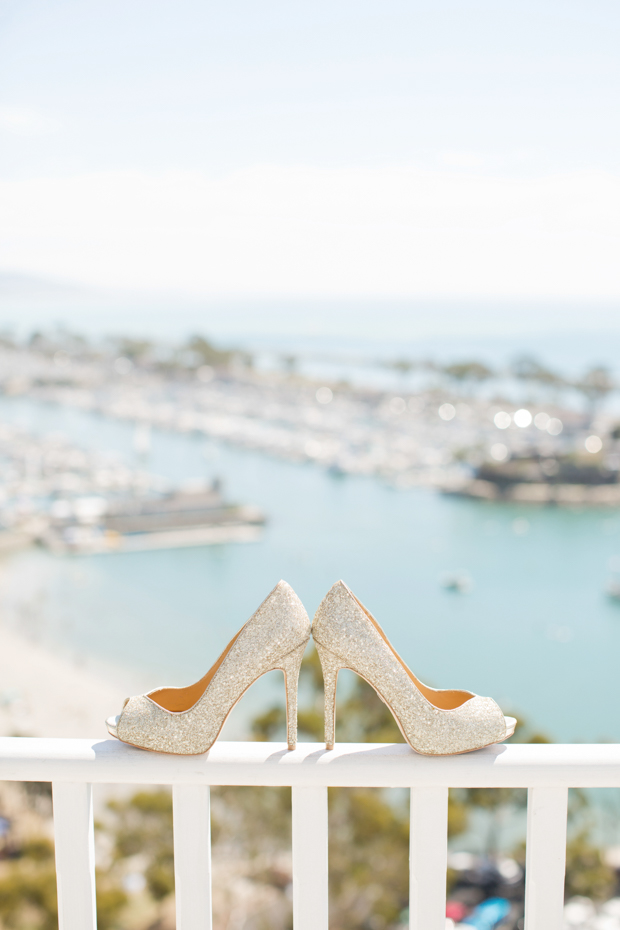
[73, 766]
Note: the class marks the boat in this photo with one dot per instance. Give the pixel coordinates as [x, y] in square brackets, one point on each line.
[459, 582]
[192, 516]
[566, 480]
[69, 500]
[612, 589]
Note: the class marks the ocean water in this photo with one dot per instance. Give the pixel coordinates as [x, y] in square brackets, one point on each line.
[536, 631]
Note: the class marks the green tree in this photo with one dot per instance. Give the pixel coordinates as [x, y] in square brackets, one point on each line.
[205, 353]
[467, 373]
[528, 368]
[595, 385]
[290, 363]
[28, 891]
[135, 349]
[403, 367]
[586, 872]
[143, 825]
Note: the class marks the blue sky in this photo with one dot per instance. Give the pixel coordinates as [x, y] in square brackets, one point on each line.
[336, 149]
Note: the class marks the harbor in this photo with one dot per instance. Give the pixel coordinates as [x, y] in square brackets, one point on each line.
[530, 581]
[57, 495]
[485, 512]
[437, 429]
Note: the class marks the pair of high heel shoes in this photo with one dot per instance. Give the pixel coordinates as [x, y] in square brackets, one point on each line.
[188, 720]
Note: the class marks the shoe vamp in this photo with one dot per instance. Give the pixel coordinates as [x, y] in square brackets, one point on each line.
[144, 723]
[476, 723]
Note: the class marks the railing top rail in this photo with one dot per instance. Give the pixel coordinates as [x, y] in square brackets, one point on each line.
[350, 764]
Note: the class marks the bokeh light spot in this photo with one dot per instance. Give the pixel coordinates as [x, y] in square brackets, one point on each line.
[593, 444]
[447, 411]
[502, 419]
[523, 418]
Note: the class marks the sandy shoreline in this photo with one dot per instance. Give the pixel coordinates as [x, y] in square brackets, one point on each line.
[45, 691]
[46, 694]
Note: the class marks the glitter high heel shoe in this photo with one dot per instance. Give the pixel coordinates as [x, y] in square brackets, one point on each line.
[188, 720]
[433, 722]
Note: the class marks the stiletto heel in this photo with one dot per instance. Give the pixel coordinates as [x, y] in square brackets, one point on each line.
[291, 665]
[188, 720]
[330, 665]
[433, 722]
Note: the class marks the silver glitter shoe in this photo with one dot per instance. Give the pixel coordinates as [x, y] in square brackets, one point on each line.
[433, 722]
[188, 720]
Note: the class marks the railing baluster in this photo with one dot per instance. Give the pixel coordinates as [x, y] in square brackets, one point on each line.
[428, 858]
[310, 873]
[192, 856]
[74, 837]
[545, 858]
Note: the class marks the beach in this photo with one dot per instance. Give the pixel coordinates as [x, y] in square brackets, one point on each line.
[47, 694]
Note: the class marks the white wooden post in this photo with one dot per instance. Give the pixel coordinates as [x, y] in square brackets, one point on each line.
[192, 856]
[74, 838]
[545, 858]
[428, 858]
[310, 871]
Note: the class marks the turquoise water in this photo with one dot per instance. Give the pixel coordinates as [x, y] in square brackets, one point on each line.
[536, 631]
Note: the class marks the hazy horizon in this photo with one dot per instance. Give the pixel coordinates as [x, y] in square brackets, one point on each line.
[567, 335]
